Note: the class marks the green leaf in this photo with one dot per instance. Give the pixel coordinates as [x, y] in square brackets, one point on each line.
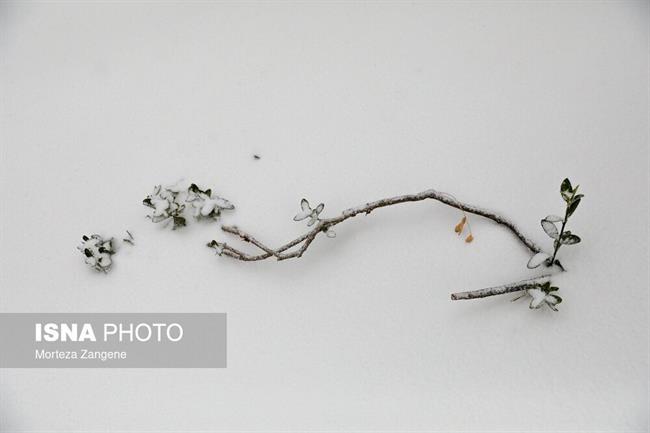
[537, 260]
[566, 190]
[550, 228]
[572, 207]
[569, 238]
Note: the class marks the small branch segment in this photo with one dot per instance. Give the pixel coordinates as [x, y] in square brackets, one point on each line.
[501, 290]
[323, 225]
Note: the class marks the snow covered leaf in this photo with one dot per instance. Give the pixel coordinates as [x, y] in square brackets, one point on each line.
[552, 301]
[550, 228]
[207, 208]
[540, 298]
[104, 260]
[315, 214]
[165, 205]
[330, 233]
[160, 206]
[569, 238]
[218, 246]
[307, 212]
[194, 188]
[204, 204]
[223, 203]
[554, 218]
[537, 260]
[566, 190]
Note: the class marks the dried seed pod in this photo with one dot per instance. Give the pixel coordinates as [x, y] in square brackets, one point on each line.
[459, 227]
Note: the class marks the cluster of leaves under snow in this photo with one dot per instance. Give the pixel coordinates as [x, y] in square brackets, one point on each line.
[97, 252]
[169, 204]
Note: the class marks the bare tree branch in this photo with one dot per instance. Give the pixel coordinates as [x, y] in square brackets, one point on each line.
[324, 224]
[501, 290]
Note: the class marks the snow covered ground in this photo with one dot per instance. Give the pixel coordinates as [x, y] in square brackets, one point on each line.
[495, 103]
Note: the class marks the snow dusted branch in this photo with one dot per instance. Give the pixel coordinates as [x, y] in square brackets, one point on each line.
[529, 284]
[325, 226]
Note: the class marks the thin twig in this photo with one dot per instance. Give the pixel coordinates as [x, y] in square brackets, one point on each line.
[501, 290]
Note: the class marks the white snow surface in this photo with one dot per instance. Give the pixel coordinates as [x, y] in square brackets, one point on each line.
[347, 103]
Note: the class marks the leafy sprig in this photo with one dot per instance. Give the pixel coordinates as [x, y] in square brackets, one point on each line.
[542, 294]
[560, 235]
[572, 199]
